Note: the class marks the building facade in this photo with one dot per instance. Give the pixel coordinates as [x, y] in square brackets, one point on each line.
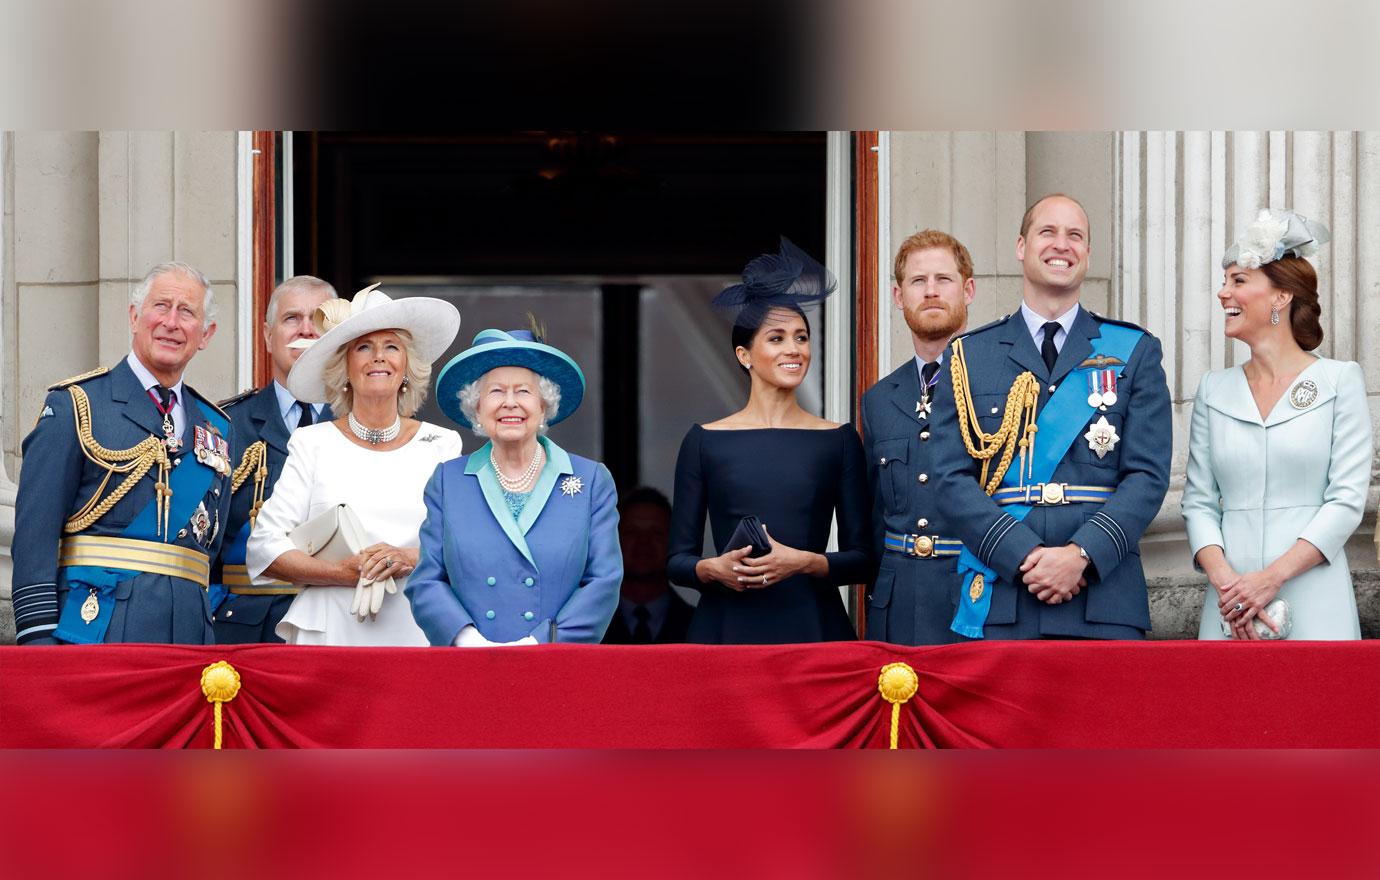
[86, 213]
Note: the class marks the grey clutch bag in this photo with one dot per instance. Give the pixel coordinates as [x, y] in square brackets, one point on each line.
[1279, 612]
[332, 536]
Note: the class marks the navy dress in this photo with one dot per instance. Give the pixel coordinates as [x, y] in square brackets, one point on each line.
[794, 481]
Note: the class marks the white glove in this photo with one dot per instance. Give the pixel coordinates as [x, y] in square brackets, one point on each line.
[470, 637]
[369, 597]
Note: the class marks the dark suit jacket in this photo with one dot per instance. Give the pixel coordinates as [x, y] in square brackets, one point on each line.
[245, 619]
[912, 601]
[1114, 604]
[673, 628]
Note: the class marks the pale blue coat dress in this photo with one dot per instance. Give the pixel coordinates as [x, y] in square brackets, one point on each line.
[1256, 486]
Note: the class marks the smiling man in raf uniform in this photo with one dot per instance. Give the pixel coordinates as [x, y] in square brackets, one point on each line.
[125, 486]
[1053, 438]
[914, 598]
[264, 420]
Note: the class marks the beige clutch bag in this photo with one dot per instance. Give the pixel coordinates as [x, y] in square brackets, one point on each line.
[332, 536]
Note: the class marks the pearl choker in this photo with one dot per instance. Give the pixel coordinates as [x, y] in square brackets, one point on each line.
[375, 436]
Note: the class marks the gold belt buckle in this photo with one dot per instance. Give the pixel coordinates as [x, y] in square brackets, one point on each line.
[1052, 493]
[922, 546]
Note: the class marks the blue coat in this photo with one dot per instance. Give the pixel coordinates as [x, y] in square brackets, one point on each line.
[559, 562]
[58, 479]
[1114, 604]
[241, 619]
[913, 600]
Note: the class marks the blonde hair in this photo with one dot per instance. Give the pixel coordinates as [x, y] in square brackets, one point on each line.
[336, 377]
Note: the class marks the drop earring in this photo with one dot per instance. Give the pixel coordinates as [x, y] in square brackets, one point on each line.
[1274, 316]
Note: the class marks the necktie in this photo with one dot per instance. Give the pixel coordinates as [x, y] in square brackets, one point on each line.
[642, 631]
[1048, 351]
[165, 408]
[927, 375]
[306, 414]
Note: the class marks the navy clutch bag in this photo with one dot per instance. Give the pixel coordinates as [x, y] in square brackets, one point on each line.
[749, 534]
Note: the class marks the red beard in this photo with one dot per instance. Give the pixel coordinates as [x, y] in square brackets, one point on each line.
[935, 324]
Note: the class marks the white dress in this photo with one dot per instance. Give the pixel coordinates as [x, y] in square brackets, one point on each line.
[384, 489]
[1256, 486]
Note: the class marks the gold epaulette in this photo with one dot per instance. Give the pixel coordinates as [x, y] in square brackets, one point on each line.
[79, 378]
[255, 462]
[231, 401]
[133, 462]
[1017, 424]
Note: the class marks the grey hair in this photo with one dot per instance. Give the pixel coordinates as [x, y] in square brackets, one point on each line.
[336, 377]
[295, 284]
[208, 302]
[469, 402]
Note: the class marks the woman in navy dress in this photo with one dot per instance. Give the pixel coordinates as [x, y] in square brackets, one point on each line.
[792, 470]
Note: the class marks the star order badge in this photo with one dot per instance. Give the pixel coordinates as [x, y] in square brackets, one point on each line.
[571, 486]
[1102, 437]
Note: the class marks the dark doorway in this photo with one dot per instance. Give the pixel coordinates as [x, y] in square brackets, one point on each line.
[631, 230]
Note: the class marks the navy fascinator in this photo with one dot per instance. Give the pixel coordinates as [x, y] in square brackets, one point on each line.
[791, 279]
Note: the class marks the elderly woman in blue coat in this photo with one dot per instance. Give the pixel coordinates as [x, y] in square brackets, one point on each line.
[520, 543]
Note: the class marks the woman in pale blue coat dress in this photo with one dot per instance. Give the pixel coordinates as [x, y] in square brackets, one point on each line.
[1279, 450]
[520, 543]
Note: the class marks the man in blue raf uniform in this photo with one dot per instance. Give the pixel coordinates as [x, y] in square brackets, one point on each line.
[1053, 438]
[125, 486]
[914, 598]
[264, 419]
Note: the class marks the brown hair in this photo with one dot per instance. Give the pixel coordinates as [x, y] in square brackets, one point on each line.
[1030, 212]
[1296, 275]
[933, 238]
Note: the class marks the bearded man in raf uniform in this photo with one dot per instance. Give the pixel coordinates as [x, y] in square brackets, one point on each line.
[125, 486]
[1053, 438]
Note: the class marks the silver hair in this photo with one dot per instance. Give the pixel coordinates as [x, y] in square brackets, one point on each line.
[469, 402]
[293, 285]
[208, 302]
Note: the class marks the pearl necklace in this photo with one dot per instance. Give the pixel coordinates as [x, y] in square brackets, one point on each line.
[375, 436]
[517, 484]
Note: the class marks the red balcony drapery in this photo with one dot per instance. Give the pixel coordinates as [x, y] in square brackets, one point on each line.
[999, 694]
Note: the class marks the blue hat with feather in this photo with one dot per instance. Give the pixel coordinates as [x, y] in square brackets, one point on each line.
[510, 348]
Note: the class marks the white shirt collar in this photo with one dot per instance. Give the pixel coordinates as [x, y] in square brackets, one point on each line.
[148, 380]
[1035, 323]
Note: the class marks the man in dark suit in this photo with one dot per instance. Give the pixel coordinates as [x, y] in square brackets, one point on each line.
[125, 487]
[264, 419]
[649, 611]
[915, 595]
[1053, 439]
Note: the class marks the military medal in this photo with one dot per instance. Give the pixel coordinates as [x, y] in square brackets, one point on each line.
[1102, 437]
[91, 608]
[170, 438]
[1102, 389]
[212, 450]
[200, 522]
[1302, 395]
[976, 587]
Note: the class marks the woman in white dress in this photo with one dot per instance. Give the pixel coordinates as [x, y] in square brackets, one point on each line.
[372, 363]
[1279, 450]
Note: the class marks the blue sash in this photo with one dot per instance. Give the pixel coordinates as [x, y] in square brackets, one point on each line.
[1061, 421]
[189, 482]
[236, 552]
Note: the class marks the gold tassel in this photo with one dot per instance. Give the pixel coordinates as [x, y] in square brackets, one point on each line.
[897, 683]
[220, 682]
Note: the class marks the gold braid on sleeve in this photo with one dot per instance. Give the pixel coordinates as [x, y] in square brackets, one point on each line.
[255, 462]
[1017, 424]
[133, 462]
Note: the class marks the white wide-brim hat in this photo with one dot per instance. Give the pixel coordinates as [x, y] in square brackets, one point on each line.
[432, 322]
